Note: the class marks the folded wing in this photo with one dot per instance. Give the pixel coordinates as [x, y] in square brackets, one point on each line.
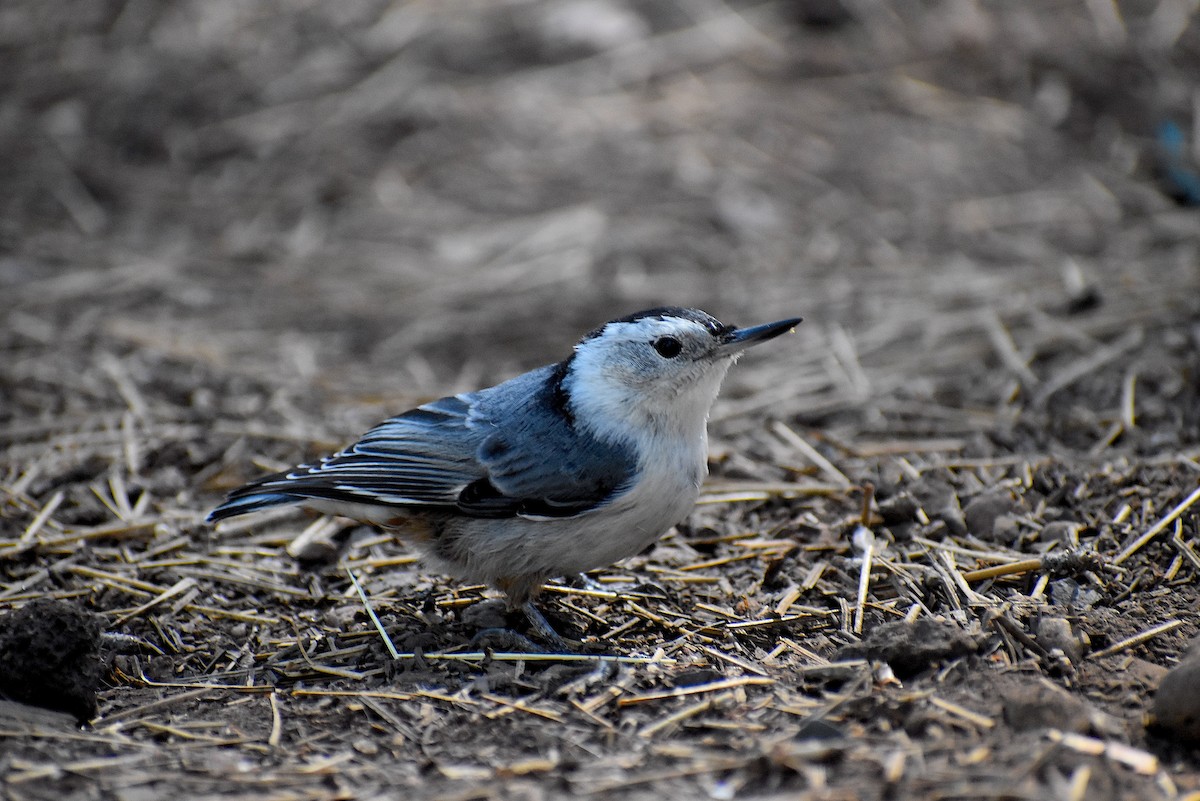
[502, 452]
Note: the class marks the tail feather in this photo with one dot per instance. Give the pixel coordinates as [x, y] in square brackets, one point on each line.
[243, 504]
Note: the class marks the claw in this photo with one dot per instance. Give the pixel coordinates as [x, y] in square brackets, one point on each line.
[499, 638]
[506, 640]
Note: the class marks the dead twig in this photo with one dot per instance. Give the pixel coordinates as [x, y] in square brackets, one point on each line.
[1064, 563]
[362, 595]
[1153, 531]
[1137, 639]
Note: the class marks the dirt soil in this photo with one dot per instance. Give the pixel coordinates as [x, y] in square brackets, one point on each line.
[949, 547]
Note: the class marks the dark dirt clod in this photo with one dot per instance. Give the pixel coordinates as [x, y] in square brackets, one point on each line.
[1030, 703]
[981, 513]
[911, 648]
[939, 500]
[899, 509]
[490, 614]
[50, 657]
[1176, 708]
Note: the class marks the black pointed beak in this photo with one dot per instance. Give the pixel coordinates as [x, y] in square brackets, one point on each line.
[741, 338]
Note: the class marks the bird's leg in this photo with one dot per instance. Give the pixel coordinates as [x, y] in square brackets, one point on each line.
[521, 592]
[508, 640]
[542, 627]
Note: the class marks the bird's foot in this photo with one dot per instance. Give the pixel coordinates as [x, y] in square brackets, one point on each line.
[542, 627]
[506, 641]
[495, 635]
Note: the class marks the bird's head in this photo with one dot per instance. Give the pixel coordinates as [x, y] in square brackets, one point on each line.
[660, 368]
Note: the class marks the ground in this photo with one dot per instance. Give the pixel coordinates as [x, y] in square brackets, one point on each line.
[234, 235]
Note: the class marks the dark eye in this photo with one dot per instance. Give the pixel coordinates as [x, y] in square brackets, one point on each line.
[667, 347]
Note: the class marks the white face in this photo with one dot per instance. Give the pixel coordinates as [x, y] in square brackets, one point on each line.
[657, 373]
[665, 356]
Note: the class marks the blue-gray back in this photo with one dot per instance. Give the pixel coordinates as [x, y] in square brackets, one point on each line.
[508, 450]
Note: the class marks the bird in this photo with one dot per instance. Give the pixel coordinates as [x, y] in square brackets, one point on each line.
[564, 469]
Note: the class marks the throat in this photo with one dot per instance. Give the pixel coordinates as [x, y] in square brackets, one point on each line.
[628, 417]
[596, 399]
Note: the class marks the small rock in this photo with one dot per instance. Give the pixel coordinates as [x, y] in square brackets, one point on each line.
[590, 26]
[1064, 531]
[822, 14]
[24, 716]
[1143, 674]
[901, 508]
[1057, 632]
[319, 547]
[50, 657]
[910, 648]
[940, 502]
[1069, 592]
[314, 554]
[1193, 650]
[1176, 709]
[692, 677]
[341, 617]
[366, 747]
[1041, 705]
[816, 728]
[1006, 528]
[505, 640]
[981, 513]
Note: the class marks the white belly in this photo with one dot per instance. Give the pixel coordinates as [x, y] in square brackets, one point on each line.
[495, 550]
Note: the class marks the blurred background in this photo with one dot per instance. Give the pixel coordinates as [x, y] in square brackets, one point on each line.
[236, 233]
[244, 209]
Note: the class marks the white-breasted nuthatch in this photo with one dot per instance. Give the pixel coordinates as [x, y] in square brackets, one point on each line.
[561, 470]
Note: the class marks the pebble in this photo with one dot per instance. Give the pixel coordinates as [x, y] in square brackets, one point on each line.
[1057, 632]
[1063, 531]
[981, 513]
[940, 502]
[491, 613]
[901, 508]
[1041, 705]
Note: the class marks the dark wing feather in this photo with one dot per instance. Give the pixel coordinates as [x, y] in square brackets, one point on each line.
[505, 451]
[424, 457]
[538, 463]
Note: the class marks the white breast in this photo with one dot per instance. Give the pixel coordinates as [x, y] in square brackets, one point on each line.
[669, 483]
[496, 550]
